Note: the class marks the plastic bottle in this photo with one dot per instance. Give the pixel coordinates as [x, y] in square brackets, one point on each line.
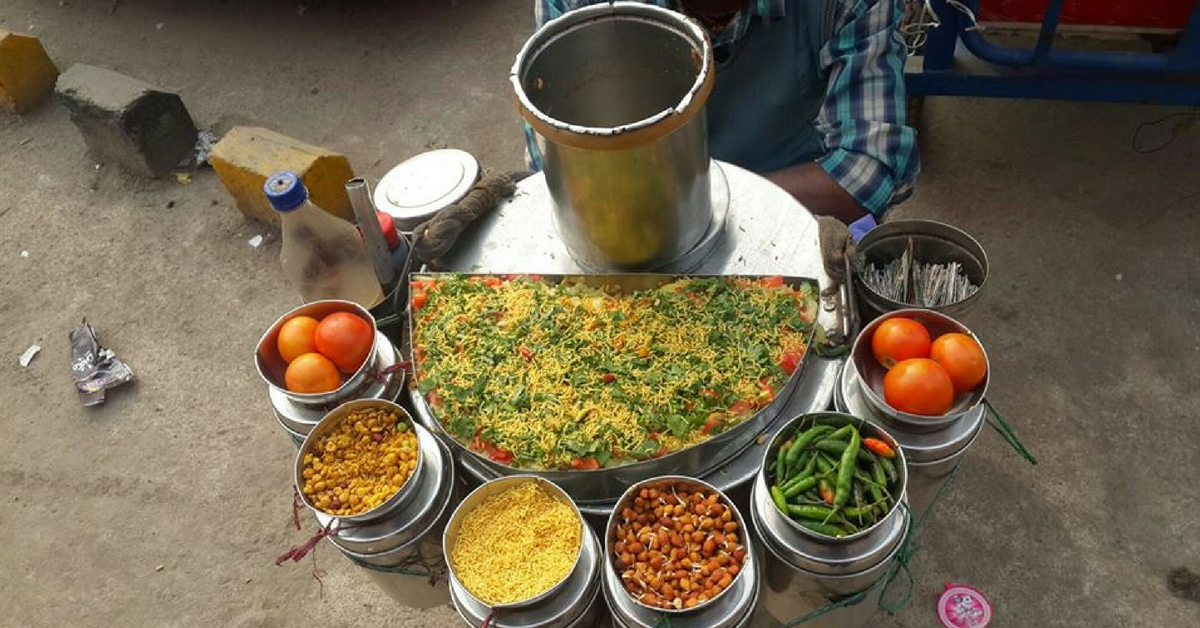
[322, 255]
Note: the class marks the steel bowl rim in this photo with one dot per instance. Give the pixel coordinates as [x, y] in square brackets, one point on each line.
[610, 527]
[578, 18]
[353, 380]
[876, 400]
[899, 461]
[336, 416]
[489, 486]
[891, 304]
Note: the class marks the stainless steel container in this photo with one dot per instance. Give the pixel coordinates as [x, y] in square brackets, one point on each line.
[616, 94]
[871, 372]
[576, 604]
[402, 551]
[932, 242]
[732, 608]
[298, 419]
[572, 602]
[931, 456]
[607, 484]
[805, 573]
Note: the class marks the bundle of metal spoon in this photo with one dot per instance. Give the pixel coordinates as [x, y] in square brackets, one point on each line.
[932, 285]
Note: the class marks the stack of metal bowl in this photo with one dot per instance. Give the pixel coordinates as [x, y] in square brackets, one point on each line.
[806, 571]
[299, 413]
[933, 445]
[398, 542]
[573, 602]
[731, 608]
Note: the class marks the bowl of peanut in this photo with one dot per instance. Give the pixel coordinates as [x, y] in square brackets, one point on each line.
[676, 544]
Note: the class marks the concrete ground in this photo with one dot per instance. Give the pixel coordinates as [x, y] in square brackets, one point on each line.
[167, 505]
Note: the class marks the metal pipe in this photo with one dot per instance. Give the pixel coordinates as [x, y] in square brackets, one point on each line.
[368, 225]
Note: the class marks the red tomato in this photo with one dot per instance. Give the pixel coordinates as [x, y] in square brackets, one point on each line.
[296, 337]
[344, 338]
[608, 378]
[899, 339]
[708, 392]
[771, 282]
[419, 298]
[311, 373]
[585, 464]
[492, 282]
[741, 408]
[499, 454]
[713, 422]
[919, 386]
[525, 352]
[789, 362]
[962, 358]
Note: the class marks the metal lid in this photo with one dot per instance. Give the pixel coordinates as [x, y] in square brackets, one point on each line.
[431, 496]
[556, 611]
[420, 186]
[299, 419]
[919, 447]
[832, 559]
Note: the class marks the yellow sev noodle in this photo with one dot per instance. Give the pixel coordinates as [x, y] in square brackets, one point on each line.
[516, 544]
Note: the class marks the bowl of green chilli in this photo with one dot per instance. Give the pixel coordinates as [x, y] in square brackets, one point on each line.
[834, 477]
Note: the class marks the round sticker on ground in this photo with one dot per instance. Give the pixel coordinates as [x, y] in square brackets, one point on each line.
[963, 607]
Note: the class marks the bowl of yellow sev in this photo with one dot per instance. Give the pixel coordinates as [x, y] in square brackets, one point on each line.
[513, 541]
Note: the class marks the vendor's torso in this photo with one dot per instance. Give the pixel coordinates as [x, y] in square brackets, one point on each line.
[769, 90]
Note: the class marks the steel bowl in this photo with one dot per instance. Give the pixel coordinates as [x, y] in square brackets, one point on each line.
[474, 499]
[330, 423]
[660, 483]
[867, 429]
[933, 242]
[871, 372]
[271, 366]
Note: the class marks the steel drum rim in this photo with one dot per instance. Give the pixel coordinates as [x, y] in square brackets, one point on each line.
[494, 485]
[859, 353]
[899, 461]
[336, 415]
[632, 133]
[629, 495]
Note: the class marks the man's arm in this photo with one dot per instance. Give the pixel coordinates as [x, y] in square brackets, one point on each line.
[871, 155]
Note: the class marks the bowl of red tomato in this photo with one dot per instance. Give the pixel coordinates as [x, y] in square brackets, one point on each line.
[920, 367]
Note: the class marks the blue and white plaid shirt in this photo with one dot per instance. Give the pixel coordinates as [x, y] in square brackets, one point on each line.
[869, 148]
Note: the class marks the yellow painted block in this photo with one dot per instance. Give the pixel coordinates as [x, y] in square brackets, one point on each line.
[27, 74]
[246, 156]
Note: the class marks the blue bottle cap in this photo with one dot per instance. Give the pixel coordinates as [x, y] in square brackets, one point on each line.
[285, 191]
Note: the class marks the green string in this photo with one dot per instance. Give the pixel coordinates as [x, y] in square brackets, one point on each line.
[908, 550]
[662, 622]
[998, 423]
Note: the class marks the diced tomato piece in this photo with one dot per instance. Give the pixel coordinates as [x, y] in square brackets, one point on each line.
[789, 362]
[714, 421]
[741, 408]
[608, 378]
[419, 298]
[499, 454]
[492, 282]
[434, 400]
[526, 352]
[708, 392]
[693, 298]
[585, 464]
[771, 282]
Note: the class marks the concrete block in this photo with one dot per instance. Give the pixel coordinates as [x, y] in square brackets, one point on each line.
[123, 120]
[27, 74]
[246, 156]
